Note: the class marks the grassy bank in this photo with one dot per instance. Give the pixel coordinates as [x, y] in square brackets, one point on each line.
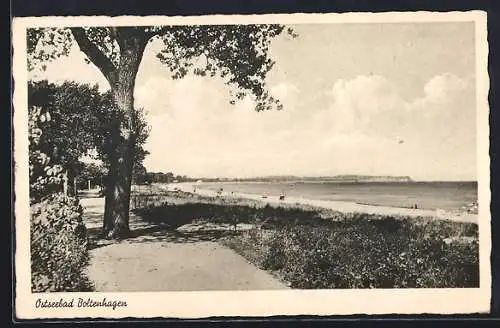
[355, 254]
[315, 248]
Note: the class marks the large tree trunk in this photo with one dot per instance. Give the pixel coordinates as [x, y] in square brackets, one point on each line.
[116, 220]
[108, 203]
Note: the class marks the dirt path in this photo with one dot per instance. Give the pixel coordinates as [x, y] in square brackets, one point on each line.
[160, 260]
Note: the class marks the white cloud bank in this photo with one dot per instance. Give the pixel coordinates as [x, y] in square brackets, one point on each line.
[365, 128]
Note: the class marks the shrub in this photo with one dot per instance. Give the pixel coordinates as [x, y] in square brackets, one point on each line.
[370, 255]
[363, 253]
[59, 253]
[45, 176]
[251, 244]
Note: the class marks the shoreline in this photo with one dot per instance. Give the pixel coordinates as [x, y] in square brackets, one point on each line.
[345, 207]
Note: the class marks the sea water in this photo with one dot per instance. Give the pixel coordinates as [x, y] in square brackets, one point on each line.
[425, 195]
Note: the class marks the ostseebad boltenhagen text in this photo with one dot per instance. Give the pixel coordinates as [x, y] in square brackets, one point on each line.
[79, 303]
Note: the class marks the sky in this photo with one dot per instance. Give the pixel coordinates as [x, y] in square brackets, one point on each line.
[375, 99]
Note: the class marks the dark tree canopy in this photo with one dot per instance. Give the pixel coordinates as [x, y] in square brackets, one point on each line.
[75, 126]
[82, 119]
[74, 120]
[236, 53]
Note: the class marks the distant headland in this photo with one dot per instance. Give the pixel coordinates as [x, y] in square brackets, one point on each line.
[350, 178]
[345, 178]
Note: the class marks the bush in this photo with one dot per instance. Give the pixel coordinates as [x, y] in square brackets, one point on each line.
[363, 253]
[59, 253]
[45, 176]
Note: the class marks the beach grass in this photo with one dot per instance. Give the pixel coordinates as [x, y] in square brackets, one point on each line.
[308, 247]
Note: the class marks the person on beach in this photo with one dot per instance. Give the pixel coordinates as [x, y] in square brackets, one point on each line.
[282, 196]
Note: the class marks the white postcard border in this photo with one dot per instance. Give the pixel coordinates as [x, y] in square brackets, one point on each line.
[252, 303]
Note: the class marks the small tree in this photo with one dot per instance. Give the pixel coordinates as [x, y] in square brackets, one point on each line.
[169, 176]
[140, 175]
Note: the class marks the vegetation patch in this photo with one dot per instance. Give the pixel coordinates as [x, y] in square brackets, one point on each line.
[364, 253]
[59, 252]
[310, 248]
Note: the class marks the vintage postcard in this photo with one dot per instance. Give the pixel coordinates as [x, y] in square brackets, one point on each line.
[260, 165]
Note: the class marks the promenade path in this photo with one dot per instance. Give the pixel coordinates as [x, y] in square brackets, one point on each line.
[158, 259]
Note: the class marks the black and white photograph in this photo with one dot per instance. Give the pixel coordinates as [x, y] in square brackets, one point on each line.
[251, 165]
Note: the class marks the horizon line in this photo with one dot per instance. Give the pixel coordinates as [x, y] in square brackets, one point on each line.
[277, 176]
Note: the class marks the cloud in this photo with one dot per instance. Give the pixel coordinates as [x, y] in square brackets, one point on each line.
[151, 96]
[443, 88]
[205, 135]
[355, 128]
[443, 91]
[357, 131]
[356, 103]
[284, 91]
[210, 137]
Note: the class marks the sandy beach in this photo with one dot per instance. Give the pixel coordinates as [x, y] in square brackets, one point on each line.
[345, 207]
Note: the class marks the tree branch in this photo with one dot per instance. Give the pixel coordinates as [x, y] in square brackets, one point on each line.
[94, 54]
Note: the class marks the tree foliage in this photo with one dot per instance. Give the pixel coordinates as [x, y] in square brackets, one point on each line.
[94, 172]
[44, 176]
[75, 110]
[140, 175]
[236, 53]
[66, 122]
[160, 177]
[239, 54]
